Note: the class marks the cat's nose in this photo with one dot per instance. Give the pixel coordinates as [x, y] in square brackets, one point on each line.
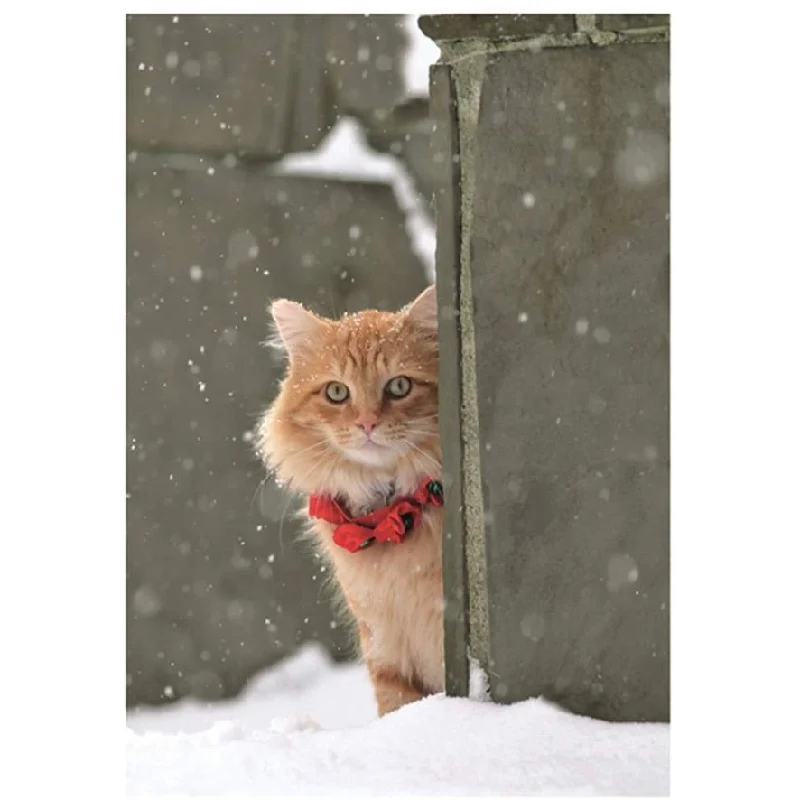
[367, 423]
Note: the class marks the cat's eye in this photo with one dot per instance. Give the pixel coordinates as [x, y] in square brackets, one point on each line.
[336, 392]
[399, 386]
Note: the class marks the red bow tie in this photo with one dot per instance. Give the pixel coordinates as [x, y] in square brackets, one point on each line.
[388, 524]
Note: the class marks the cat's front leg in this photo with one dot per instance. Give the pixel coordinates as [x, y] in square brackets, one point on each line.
[392, 691]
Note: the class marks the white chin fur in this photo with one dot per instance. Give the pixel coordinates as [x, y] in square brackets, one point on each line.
[372, 456]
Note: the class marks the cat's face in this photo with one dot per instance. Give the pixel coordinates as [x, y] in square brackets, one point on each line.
[359, 391]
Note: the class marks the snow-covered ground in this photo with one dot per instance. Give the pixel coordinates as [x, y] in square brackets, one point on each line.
[309, 727]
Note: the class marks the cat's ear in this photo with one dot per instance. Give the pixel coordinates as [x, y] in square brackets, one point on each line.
[294, 325]
[422, 311]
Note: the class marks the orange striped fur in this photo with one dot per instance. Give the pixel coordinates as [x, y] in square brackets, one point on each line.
[314, 445]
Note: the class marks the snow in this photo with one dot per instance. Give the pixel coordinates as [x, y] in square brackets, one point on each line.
[309, 727]
[345, 155]
[478, 681]
[602, 335]
[582, 327]
[422, 52]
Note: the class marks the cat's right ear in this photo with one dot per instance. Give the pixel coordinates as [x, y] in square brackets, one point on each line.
[422, 310]
[294, 326]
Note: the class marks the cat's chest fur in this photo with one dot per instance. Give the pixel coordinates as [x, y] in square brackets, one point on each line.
[395, 590]
[369, 492]
[374, 496]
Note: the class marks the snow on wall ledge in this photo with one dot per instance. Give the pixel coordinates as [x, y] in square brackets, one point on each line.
[421, 53]
[308, 727]
[345, 155]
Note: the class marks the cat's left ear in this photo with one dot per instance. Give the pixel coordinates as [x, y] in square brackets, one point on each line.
[295, 326]
[422, 311]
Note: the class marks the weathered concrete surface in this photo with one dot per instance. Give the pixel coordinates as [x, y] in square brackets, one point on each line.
[257, 85]
[217, 586]
[448, 241]
[625, 22]
[365, 55]
[406, 131]
[214, 83]
[450, 27]
[563, 275]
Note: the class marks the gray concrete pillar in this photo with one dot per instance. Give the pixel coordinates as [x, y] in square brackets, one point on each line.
[552, 140]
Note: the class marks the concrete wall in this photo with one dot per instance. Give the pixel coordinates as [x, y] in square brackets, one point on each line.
[217, 586]
[553, 273]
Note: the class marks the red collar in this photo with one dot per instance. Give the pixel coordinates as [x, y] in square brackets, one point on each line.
[388, 524]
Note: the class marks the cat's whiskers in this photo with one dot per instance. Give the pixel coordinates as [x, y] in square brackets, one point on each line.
[271, 472]
[261, 484]
[414, 428]
[309, 449]
[318, 465]
[315, 467]
[419, 434]
[289, 499]
[419, 450]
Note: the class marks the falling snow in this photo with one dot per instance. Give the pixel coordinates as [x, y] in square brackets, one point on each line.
[602, 335]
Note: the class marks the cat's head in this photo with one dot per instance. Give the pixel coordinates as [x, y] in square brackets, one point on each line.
[359, 399]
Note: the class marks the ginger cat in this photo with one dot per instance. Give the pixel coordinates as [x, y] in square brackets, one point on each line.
[355, 430]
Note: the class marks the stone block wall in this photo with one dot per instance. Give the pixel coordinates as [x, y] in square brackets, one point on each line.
[553, 271]
[258, 86]
[217, 585]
